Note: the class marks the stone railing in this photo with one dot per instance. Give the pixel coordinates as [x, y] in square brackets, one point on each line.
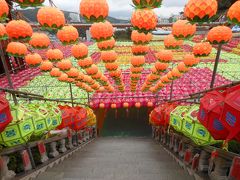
[201, 162]
[51, 151]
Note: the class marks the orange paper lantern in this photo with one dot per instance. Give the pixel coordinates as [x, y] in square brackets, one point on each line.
[219, 35]
[94, 10]
[165, 56]
[33, 60]
[138, 61]
[29, 3]
[85, 63]
[144, 20]
[107, 44]
[92, 70]
[16, 49]
[68, 35]
[113, 106]
[3, 33]
[141, 38]
[140, 49]
[64, 65]
[79, 51]
[171, 43]
[136, 70]
[234, 13]
[200, 10]
[182, 29]
[50, 18]
[147, 3]
[55, 72]
[138, 105]
[108, 56]
[19, 30]
[202, 49]
[182, 68]
[126, 105]
[161, 67]
[54, 55]
[101, 31]
[4, 10]
[63, 77]
[176, 73]
[111, 66]
[39, 41]
[73, 73]
[46, 66]
[102, 105]
[190, 60]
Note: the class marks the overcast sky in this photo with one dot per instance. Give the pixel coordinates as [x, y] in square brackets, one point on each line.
[123, 9]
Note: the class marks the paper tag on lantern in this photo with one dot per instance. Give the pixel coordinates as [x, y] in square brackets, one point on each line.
[41, 148]
[26, 159]
[214, 154]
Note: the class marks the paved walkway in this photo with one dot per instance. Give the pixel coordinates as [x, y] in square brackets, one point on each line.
[118, 159]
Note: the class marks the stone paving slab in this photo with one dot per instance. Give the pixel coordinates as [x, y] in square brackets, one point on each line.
[119, 159]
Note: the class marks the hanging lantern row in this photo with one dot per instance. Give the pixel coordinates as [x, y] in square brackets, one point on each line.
[164, 58]
[176, 73]
[102, 32]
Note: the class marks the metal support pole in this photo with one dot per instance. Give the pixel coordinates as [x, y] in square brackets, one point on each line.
[7, 73]
[171, 92]
[88, 96]
[216, 65]
[70, 86]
